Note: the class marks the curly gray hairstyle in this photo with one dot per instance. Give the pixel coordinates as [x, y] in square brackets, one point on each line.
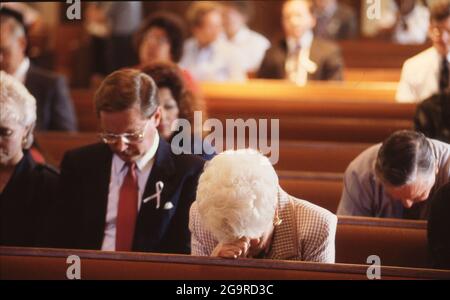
[17, 104]
[237, 195]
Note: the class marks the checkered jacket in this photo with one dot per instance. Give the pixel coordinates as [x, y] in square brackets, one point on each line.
[307, 232]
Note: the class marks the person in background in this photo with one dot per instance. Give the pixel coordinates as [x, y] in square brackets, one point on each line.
[27, 189]
[335, 20]
[395, 179]
[241, 211]
[432, 117]
[406, 22]
[207, 55]
[301, 57]
[439, 228]
[160, 39]
[252, 45]
[54, 106]
[427, 73]
[177, 102]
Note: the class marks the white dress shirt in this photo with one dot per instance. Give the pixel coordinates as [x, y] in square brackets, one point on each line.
[417, 23]
[22, 70]
[420, 76]
[252, 46]
[118, 172]
[298, 65]
[220, 61]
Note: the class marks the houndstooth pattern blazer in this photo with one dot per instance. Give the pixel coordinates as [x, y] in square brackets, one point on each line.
[307, 232]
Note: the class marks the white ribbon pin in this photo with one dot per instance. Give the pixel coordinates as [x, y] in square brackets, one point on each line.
[159, 187]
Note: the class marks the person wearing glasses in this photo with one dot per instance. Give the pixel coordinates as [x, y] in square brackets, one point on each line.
[427, 73]
[27, 189]
[130, 192]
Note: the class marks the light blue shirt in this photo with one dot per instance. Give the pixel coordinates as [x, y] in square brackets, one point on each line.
[219, 61]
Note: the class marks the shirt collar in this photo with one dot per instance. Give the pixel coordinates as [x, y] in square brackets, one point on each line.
[143, 162]
[22, 70]
[305, 41]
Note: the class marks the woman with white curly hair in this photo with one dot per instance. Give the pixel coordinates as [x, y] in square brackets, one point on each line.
[240, 211]
[26, 188]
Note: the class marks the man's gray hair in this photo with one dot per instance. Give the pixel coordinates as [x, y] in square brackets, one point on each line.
[403, 157]
[17, 104]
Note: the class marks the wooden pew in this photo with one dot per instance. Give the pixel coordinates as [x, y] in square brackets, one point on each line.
[396, 242]
[358, 112]
[323, 189]
[371, 74]
[54, 144]
[376, 54]
[293, 156]
[35, 263]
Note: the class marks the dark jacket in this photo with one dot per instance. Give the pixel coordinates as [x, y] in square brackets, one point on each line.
[54, 108]
[25, 204]
[325, 54]
[85, 178]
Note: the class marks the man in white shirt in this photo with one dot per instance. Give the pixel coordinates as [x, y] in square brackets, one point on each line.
[427, 73]
[208, 56]
[249, 43]
[131, 192]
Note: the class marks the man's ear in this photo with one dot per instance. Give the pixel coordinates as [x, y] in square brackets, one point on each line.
[157, 116]
[22, 41]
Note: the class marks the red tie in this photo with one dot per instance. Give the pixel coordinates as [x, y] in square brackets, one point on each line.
[127, 212]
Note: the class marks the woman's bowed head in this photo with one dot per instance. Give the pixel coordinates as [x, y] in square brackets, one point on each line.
[242, 213]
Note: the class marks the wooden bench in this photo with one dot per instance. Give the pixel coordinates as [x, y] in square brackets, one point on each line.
[376, 54]
[396, 242]
[358, 112]
[323, 189]
[34, 263]
[293, 156]
[371, 74]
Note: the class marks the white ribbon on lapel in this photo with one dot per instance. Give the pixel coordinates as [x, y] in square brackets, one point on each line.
[159, 187]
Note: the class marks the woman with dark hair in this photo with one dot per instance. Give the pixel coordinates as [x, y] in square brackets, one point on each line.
[161, 38]
[178, 102]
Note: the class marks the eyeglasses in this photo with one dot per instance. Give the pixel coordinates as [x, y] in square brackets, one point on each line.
[128, 138]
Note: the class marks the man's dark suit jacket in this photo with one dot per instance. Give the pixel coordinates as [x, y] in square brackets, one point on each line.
[325, 54]
[85, 178]
[54, 107]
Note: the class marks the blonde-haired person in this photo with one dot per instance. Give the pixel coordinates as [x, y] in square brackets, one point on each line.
[240, 211]
[26, 188]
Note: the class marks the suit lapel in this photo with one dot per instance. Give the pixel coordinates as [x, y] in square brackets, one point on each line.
[153, 222]
[96, 206]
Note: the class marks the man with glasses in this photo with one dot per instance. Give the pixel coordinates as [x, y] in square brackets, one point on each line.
[427, 73]
[129, 193]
